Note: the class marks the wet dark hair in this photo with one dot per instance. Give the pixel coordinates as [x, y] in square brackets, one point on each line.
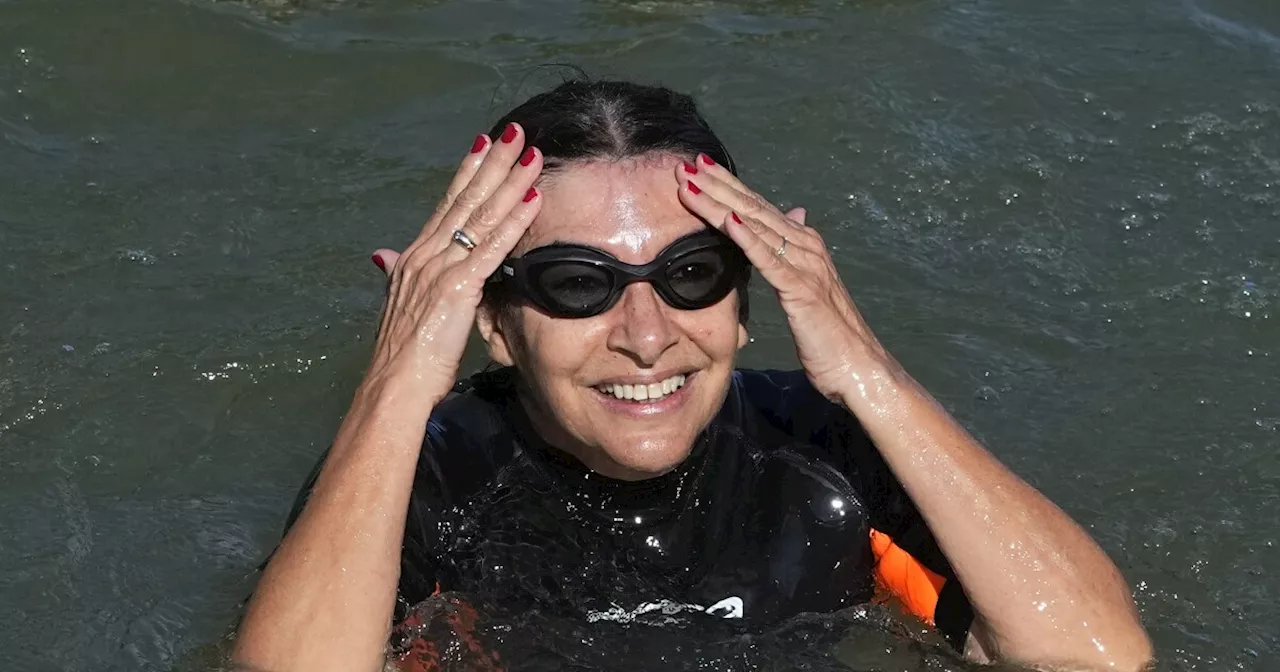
[585, 119]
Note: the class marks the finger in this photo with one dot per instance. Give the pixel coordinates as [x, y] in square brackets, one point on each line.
[511, 193]
[701, 203]
[488, 256]
[797, 215]
[747, 204]
[717, 213]
[386, 259]
[493, 172]
[736, 194]
[466, 172]
[751, 236]
[768, 236]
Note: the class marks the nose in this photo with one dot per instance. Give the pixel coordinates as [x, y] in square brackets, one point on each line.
[643, 329]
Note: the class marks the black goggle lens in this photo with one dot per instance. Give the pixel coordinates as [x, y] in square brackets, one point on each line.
[572, 287]
[577, 288]
[700, 276]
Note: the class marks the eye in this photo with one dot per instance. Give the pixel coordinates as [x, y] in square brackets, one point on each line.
[575, 284]
[695, 271]
[696, 274]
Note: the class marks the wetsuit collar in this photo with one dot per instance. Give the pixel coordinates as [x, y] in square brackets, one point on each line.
[618, 503]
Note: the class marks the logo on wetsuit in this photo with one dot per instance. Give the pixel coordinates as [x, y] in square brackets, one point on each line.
[729, 607]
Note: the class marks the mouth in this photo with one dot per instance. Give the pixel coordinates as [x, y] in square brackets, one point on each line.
[644, 393]
[639, 399]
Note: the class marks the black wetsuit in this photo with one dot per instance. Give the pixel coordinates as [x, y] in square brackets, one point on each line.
[768, 517]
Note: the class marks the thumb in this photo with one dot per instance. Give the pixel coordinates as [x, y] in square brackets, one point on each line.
[797, 215]
[386, 259]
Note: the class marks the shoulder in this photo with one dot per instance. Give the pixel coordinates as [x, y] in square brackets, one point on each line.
[820, 430]
[470, 435]
[787, 401]
[476, 410]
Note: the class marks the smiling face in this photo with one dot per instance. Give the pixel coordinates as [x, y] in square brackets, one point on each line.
[607, 389]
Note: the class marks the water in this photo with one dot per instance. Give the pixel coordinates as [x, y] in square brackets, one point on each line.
[1063, 217]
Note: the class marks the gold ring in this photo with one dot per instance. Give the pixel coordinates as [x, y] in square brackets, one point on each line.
[782, 249]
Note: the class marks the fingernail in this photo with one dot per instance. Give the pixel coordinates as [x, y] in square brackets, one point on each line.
[527, 157]
[735, 217]
[693, 188]
[479, 144]
[509, 133]
[707, 160]
[530, 195]
[377, 261]
[690, 168]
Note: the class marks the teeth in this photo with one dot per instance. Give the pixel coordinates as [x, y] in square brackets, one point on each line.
[650, 392]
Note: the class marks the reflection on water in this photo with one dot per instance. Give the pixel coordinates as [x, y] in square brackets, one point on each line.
[1060, 216]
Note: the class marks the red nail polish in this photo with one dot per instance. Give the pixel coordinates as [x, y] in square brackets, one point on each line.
[479, 144]
[377, 260]
[690, 168]
[527, 157]
[530, 195]
[693, 188]
[509, 133]
[707, 160]
[735, 217]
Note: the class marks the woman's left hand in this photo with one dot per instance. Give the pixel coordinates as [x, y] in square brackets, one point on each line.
[831, 337]
[840, 355]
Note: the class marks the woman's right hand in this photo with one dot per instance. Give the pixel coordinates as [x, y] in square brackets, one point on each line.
[434, 287]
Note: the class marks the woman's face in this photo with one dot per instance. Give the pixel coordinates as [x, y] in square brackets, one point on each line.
[630, 210]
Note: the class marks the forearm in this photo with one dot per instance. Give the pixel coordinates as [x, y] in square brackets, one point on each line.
[1045, 593]
[326, 598]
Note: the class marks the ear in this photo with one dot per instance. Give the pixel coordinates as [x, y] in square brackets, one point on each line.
[495, 338]
[743, 337]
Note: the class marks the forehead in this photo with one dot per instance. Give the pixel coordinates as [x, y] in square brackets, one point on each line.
[627, 208]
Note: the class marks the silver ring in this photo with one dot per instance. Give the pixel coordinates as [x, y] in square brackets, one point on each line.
[460, 237]
[782, 249]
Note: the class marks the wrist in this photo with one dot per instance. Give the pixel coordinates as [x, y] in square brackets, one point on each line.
[872, 382]
[389, 408]
[384, 387]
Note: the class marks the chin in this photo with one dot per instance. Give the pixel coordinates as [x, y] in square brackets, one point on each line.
[648, 458]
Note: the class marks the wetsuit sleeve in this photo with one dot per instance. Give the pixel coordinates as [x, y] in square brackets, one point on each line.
[909, 564]
[419, 570]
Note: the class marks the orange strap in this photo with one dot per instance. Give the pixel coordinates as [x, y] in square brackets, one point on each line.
[902, 576]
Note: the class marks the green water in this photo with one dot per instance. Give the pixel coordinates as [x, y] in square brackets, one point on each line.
[1063, 217]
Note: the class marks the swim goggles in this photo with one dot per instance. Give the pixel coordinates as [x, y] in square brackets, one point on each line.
[577, 281]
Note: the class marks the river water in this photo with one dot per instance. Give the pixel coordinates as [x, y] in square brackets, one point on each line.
[1064, 218]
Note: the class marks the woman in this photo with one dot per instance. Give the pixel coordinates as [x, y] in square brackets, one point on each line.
[601, 241]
